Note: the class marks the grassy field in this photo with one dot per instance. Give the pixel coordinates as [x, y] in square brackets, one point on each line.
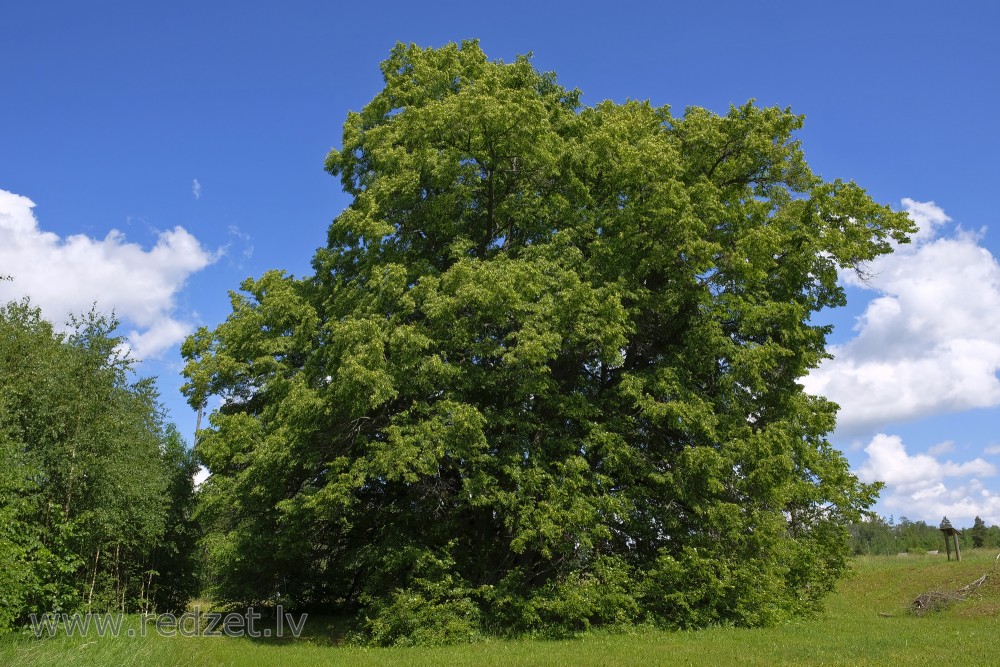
[867, 622]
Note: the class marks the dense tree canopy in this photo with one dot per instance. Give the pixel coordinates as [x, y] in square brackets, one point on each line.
[546, 372]
[95, 489]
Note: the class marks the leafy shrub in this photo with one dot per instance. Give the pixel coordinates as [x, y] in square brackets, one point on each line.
[437, 608]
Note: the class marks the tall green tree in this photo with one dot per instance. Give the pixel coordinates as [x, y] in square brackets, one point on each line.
[978, 533]
[91, 478]
[545, 374]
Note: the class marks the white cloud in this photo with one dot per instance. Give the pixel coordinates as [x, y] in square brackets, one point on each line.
[992, 450]
[68, 275]
[888, 462]
[929, 342]
[927, 216]
[153, 341]
[200, 476]
[942, 448]
[243, 238]
[920, 486]
[196, 189]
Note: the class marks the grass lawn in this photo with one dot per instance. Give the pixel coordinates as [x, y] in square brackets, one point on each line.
[866, 622]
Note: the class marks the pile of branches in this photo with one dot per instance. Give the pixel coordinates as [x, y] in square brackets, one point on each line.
[938, 600]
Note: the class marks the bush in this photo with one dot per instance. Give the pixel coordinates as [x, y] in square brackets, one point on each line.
[437, 608]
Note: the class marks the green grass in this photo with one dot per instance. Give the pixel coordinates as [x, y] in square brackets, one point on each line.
[866, 623]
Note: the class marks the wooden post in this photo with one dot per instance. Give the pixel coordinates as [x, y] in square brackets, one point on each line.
[950, 533]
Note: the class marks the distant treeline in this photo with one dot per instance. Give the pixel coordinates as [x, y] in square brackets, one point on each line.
[881, 536]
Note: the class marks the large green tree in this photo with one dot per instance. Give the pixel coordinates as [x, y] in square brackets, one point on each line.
[546, 372]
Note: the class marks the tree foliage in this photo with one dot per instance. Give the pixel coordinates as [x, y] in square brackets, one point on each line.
[545, 374]
[91, 479]
[978, 533]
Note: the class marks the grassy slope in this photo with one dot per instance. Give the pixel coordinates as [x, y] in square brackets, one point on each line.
[851, 632]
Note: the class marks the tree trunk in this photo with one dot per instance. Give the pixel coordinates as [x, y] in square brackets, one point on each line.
[93, 579]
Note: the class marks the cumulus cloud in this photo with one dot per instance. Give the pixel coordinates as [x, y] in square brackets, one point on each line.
[69, 275]
[929, 341]
[196, 189]
[928, 216]
[922, 486]
[889, 462]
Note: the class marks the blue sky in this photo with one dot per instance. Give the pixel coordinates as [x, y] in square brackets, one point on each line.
[171, 150]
